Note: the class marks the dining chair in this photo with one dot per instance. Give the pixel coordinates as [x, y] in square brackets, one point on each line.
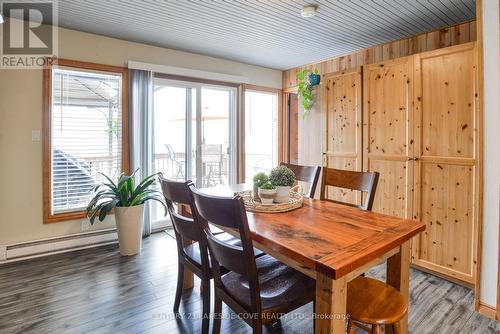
[190, 252]
[213, 161]
[309, 174]
[362, 181]
[259, 290]
[369, 301]
[375, 303]
[179, 164]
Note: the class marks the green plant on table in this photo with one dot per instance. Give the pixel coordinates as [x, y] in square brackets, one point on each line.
[267, 186]
[282, 176]
[122, 193]
[259, 179]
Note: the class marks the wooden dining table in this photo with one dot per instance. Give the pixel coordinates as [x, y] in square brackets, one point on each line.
[333, 243]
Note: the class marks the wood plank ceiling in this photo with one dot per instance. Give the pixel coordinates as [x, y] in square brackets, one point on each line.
[268, 33]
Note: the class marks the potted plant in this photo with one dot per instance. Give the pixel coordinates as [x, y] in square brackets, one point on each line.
[127, 200]
[283, 179]
[267, 193]
[307, 79]
[258, 180]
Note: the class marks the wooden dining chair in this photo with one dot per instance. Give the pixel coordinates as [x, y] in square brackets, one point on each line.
[374, 303]
[362, 181]
[192, 252]
[309, 174]
[259, 290]
[189, 251]
[369, 301]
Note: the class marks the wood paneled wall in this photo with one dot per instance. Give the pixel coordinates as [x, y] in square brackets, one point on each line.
[454, 35]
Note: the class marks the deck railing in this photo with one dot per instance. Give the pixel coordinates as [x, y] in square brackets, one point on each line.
[175, 168]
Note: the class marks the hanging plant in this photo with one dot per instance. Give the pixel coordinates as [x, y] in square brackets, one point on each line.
[307, 79]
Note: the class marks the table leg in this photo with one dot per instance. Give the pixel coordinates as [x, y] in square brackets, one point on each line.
[331, 302]
[398, 275]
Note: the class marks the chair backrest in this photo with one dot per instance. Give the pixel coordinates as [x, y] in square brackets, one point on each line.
[211, 149]
[178, 193]
[170, 152]
[211, 152]
[362, 181]
[309, 174]
[228, 212]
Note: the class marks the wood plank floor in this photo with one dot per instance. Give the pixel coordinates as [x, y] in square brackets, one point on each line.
[97, 291]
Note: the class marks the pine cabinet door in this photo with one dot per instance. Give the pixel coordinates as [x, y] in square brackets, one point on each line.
[446, 170]
[343, 104]
[388, 133]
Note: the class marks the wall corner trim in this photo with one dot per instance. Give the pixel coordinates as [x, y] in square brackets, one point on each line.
[487, 310]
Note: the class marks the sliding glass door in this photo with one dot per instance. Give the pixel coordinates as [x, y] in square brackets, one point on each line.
[194, 132]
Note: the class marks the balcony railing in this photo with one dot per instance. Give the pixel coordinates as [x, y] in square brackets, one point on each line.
[214, 168]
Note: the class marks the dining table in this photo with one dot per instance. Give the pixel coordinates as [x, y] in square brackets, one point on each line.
[333, 244]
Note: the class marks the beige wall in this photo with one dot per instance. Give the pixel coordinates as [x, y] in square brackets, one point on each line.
[21, 112]
[491, 164]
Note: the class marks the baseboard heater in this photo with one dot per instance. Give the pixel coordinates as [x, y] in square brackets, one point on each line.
[33, 249]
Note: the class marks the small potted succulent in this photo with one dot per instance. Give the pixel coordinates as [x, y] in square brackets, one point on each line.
[267, 193]
[258, 180]
[127, 201]
[283, 179]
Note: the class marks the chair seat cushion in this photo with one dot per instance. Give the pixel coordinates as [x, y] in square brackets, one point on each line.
[282, 288]
[374, 302]
[193, 250]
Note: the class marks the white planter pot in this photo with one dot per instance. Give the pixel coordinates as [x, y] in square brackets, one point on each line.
[129, 223]
[267, 195]
[282, 194]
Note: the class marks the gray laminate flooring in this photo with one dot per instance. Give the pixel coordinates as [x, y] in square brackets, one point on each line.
[97, 291]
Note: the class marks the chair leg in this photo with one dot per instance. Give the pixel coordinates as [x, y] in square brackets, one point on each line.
[350, 327]
[217, 315]
[376, 329]
[257, 326]
[206, 305]
[396, 329]
[178, 292]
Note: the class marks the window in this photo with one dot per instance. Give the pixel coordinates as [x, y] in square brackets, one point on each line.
[261, 132]
[84, 134]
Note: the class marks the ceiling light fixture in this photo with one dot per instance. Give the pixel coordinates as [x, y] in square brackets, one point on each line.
[308, 11]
